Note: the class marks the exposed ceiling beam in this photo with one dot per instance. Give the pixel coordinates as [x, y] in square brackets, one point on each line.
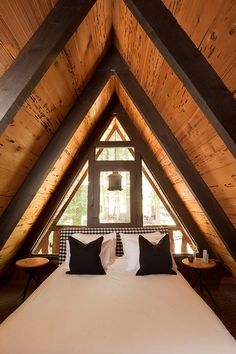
[114, 64]
[166, 186]
[53, 150]
[200, 79]
[46, 218]
[38, 54]
[179, 158]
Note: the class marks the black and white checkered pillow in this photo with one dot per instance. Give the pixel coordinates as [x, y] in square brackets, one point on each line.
[66, 232]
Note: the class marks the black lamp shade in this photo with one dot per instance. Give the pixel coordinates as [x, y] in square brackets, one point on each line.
[114, 182]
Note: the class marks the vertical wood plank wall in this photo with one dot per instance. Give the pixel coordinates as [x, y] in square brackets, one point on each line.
[210, 25]
[192, 129]
[19, 19]
[54, 176]
[177, 181]
[42, 113]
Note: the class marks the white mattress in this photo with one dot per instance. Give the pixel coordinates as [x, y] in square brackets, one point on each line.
[117, 313]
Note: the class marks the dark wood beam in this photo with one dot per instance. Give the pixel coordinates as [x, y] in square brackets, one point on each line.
[182, 213]
[38, 54]
[200, 79]
[46, 218]
[179, 158]
[53, 150]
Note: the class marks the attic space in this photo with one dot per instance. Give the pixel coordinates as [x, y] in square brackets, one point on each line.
[69, 66]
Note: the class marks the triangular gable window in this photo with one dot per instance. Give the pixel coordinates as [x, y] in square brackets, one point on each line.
[93, 201]
[115, 132]
[154, 210]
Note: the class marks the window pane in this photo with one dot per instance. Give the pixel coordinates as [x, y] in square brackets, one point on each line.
[115, 132]
[154, 211]
[182, 243]
[114, 205]
[114, 154]
[76, 211]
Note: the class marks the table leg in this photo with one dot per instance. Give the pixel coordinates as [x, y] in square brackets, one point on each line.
[31, 276]
[202, 285]
[27, 285]
[196, 280]
[208, 292]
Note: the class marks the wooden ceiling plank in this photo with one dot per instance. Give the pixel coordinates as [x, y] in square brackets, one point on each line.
[178, 157]
[200, 79]
[182, 213]
[38, 54]
[46, 218]
[52, 152]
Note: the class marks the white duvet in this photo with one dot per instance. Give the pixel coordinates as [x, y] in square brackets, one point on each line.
[117, 313]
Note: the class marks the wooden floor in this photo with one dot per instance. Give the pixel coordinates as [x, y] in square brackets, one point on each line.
[221, 286]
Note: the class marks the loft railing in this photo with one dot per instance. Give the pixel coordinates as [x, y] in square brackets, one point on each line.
[49, 244]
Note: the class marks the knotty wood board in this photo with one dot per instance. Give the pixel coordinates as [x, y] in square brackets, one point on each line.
[19, 19]
[179, 185]
[42, 113]
[196, 135]
[54, 177]
[211, 26]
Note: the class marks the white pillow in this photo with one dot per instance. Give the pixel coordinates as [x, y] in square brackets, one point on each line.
[108, 249]
[131, 248]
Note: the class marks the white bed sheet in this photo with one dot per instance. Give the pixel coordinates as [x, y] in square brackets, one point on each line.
[117, 313]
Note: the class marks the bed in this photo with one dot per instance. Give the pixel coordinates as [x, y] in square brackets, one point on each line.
[113, 314]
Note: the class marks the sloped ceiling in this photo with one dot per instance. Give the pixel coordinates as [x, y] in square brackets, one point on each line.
[212, 30]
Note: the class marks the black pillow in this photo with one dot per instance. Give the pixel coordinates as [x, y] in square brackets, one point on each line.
[84, 258]
[155, 259]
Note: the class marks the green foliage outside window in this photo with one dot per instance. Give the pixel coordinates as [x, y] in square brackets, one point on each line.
[76, 211]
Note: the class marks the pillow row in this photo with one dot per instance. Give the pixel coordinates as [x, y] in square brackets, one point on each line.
[144, 255]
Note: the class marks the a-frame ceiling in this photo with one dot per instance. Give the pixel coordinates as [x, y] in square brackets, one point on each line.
[197, 161]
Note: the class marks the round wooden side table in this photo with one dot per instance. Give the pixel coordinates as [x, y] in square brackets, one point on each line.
[30, 265]
[199, 265]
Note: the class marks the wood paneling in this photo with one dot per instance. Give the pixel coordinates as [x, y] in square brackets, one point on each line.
[200, 79]
[51, 182]
[180, 187]
[19, 19]
[197, 137]
[40, 116]
[211, 26]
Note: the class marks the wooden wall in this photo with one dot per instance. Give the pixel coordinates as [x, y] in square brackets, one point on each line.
[177, 181]
[49, 186]
[192, 129]
[212, 28]
[19, 19]
[42, 113]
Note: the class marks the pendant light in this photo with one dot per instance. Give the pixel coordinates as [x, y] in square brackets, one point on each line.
[114, 181]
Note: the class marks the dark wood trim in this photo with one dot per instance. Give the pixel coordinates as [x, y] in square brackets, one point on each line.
[53, 150]
[116, 65]
[138, 189]
[45, 219]
[114, 144]
[179, 158]
[38, 54]
[167, 188]
[114, 165]
[200, 79]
